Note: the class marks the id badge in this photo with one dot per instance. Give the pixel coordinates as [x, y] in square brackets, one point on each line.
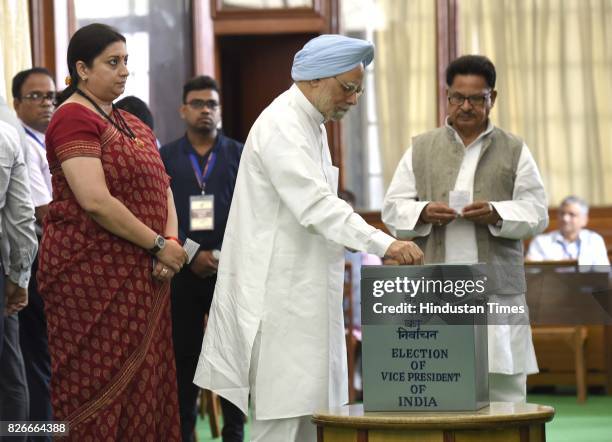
[201, 212]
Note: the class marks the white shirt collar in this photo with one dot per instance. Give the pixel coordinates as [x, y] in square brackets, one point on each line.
[486, 132]
[558, 237]
[304, 104]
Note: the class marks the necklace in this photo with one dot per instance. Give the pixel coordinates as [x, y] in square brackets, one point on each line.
[121, 125]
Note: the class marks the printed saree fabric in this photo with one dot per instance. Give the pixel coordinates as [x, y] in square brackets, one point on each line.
[109, 325]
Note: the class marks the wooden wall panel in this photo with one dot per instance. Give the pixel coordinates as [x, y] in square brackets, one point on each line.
[446, 48]
[253, 54]
[203, 39]
[42, 34]
[254, 70]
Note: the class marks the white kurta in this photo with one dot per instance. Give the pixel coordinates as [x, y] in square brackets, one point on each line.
[38, 168]
[510, 347]
[281, 270]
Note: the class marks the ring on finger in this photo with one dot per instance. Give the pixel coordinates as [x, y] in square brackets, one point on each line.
[164, 271]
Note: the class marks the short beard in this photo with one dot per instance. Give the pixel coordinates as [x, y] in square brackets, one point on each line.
[324, 102]
[206, 131]
[337, 115]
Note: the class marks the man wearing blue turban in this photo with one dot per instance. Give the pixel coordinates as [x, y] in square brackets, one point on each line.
[276, 328]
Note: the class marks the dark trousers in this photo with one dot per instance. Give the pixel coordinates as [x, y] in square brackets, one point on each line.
[35, 350]
[191, 300]
[13, 386]
[2, 301]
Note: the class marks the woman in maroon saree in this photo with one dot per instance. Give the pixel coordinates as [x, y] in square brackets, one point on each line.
[106, 298]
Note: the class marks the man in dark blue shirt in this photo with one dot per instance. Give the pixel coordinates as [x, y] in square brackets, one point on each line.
[203, 165]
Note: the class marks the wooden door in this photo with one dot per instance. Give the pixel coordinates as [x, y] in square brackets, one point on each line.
[255, 69]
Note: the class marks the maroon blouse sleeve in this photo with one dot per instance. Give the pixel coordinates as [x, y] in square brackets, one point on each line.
[74, 131]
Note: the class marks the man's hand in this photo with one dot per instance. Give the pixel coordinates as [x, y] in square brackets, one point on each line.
[16, 297]
[438, 214]
[481, 212]
[403, 253]
[204, 264]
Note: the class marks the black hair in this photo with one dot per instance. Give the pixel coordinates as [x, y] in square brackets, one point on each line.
[85, 45]
[580, 202]
[199, 83]
[471, 65]
[137, 107]
[21, 78]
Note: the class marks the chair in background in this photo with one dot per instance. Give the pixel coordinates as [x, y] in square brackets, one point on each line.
[350, 331]
[550, 341]
[211, 407]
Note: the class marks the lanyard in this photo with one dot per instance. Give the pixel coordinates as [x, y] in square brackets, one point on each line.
[31, 134]
[566, 252]
[202, 176]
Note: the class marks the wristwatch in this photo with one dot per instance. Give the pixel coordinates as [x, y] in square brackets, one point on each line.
[160, 243]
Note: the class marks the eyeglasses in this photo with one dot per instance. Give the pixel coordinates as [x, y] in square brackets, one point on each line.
[350, 89]
[39, 97]
[201, 104]
[475, 100]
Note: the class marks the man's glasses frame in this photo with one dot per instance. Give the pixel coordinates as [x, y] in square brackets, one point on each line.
[39, 97]
[475, 100]
[350, 89]
[198, 104]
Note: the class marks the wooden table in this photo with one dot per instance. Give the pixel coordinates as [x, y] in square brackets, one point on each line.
[500, 422]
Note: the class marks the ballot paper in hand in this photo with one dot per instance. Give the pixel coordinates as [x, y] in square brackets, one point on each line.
[458, 199]
[191, 247]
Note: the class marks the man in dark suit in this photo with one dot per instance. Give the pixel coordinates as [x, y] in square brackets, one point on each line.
[203, 165]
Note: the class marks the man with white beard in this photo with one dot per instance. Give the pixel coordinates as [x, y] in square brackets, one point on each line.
[276, 326]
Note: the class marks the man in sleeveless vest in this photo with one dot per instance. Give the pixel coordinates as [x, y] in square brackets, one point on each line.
[470, 192]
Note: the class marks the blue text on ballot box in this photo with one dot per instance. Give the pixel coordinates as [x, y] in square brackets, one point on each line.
[424, 338]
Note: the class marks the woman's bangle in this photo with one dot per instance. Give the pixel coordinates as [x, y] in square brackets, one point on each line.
[174, 238]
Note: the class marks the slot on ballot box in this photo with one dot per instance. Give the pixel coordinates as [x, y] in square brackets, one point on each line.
[424, 342]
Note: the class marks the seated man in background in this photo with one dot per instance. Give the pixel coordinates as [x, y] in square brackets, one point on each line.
[572, 240]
